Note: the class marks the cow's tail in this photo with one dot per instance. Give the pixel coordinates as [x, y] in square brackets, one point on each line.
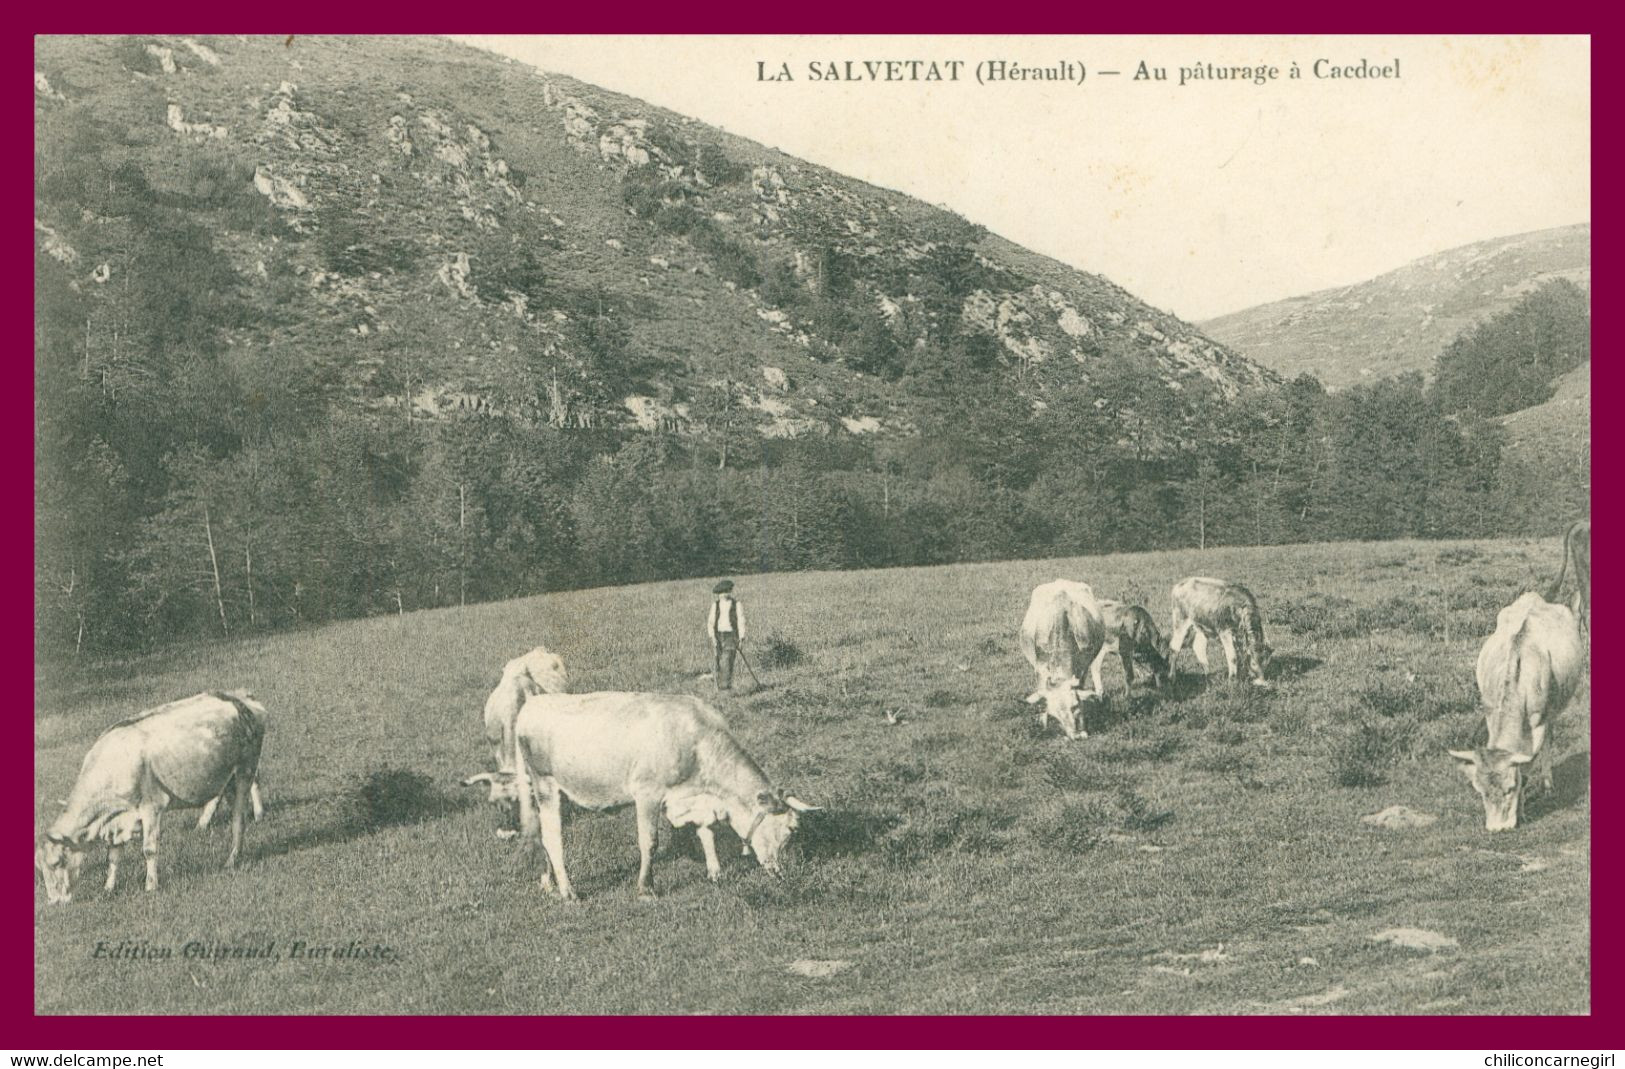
[530, 827]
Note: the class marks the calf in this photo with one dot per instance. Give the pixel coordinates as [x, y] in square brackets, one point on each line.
[182, 754]
[650, 751]
[1527, 672]
[1211, 608]
[1132, 634]
[1061, 637]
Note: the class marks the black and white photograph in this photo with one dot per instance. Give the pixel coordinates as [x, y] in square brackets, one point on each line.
[806, 525]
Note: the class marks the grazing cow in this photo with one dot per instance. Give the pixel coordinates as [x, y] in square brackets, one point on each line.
[1131, 634]
[182, 754]
[612, 749]
[1576, 556]
[537, 672]
[1061, 636]
[1211, 608]
[1527, 672]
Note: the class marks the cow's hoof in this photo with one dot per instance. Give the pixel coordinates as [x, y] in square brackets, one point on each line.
[506, 833]
[647, 894]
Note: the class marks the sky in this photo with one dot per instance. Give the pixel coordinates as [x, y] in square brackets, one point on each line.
[1202, 198]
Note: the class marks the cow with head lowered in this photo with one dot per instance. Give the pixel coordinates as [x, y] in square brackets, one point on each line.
[1061, 636]
[1205, 609]
[1133, 636]
[179, 755]
[536, 672]
[1527, 673]
[655, 752]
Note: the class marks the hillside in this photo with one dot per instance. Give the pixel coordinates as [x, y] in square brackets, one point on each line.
[429, 228]
[1547, 463]
[1201, 852]
[1399, 321]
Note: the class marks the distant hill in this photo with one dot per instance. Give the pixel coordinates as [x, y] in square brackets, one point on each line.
[1399, 321]
[437, 228]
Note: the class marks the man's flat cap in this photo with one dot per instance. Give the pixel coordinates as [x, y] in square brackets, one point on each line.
[723, 587]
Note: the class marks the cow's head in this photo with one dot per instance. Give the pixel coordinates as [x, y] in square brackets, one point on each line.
[1497, 776]
[545, 672]
[777, 815]
[504, 788]
[58, 860]
[1063, 701]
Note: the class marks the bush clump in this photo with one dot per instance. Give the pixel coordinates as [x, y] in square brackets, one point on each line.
[779, 652]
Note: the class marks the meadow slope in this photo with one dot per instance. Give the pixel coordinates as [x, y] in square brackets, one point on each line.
[1201, 852]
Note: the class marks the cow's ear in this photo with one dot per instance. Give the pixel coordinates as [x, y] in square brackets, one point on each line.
[1466, 757]
[771, 801]
[1035, 697]
[1520, 759]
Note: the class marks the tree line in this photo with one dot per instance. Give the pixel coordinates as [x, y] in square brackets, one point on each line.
[186, 487]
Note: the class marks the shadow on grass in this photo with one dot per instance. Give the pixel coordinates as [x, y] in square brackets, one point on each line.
[1571, 778]
[385, 798]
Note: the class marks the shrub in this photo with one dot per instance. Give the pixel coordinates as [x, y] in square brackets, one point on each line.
[390, 796]
[1139, 812]
[1364, 756]
[1082, 826]
[1391, 700]
[779, 652]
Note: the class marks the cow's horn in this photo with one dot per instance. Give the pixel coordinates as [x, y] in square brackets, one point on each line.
[1463, 755]
[477, 778]
[801, 807]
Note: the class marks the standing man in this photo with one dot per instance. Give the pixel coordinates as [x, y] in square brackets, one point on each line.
[725, 626]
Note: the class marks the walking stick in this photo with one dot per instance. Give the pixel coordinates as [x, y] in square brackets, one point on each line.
[746, 662]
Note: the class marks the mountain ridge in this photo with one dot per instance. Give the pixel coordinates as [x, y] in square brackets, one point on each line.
[1400, 320]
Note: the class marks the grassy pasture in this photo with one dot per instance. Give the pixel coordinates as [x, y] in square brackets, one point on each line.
[1200, 852]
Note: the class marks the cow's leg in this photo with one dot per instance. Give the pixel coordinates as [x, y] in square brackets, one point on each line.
[254, 797]
[239, 812]
[151, 817]
[549, 810]
[1182, 629]
[1199, 644]
[648, 813]
[1543, 749]
[708, 843]
[1128, 667]
[112, 865]
[1094, 670]
[1227, 639]
[207, 815]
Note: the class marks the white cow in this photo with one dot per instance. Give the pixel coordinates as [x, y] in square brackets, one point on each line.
[1214, 608]
[615, 748]
[1061, 635]
[1132, 635]
[537, 672]
[1527, 672]
[182, 754]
